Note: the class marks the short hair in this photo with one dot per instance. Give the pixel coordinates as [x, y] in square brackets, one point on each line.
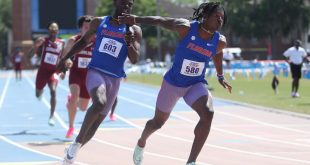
[208, 8]
[297, 42]
[84, 18]
[51, 22]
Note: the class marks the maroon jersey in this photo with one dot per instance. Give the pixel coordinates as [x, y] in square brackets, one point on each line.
[81, 59]
[51, 53]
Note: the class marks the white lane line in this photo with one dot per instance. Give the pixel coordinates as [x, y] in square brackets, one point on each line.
[32, 150]
[28, 149]
[215, 128]
[47, 104]
[214, 146]
[5, 89]
[221, 130]
[211, 145]
[120, 146]
[28, 163]
[227, 114]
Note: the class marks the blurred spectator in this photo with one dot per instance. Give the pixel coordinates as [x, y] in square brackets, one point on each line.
[228, 57]
[17, 58]
[168, 60]
[295, 55]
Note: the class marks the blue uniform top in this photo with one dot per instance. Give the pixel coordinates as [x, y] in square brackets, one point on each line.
[110, 51]
[192, 56]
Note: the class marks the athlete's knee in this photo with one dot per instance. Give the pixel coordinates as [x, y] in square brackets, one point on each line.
[74, 99]
[101, 94]
[209, 104]
[83, 107]
[156, 123]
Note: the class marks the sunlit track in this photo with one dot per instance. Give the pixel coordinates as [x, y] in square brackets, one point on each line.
[236, 134]
[228, 114]
[105, 142]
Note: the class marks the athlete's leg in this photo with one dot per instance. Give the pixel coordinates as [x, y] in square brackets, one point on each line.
[20, 74]
[52, 86]
[16, 74]
[112, 116]
[39, 93]
[166, 100]
[83, 103]
[83, 97]
[41, 80]
[72, 103]
[153, 125]
[111, 91]
[98, 95]
[294, 85]
[204, 108]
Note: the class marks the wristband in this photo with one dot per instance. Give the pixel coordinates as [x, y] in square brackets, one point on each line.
[220, 76]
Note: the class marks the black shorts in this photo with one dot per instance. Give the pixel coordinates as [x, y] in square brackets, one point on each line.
[296, 70]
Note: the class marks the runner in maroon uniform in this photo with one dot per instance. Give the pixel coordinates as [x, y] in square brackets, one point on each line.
[52, 48]
[79, 96]
[17, 61]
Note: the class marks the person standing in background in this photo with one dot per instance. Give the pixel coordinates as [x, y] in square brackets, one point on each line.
[295, 56]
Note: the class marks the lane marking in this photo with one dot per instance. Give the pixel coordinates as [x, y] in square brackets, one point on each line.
[215, 146]
[228, 114]
[28, 163]
[113, 144]
[5, 90]
[190, 141]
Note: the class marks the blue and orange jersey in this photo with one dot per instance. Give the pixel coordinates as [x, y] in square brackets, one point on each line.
[110, 51]
[192, 57]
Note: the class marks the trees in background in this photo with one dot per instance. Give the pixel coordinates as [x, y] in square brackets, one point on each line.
[268, 19]
[143, 7]
[5, 25]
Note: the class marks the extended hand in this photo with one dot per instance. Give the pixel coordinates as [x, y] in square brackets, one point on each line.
[129, 37]
[61, 66]
[225, 84]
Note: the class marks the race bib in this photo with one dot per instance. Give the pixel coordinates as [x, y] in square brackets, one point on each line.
[110, 46]
[50, 58]
[192, 68]
[83, 62]
[18, 59]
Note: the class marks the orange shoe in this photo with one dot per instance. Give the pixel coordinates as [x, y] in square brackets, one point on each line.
[70, 132]
[112, 117]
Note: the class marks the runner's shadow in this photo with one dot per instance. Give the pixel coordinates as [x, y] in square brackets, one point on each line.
[24, 132]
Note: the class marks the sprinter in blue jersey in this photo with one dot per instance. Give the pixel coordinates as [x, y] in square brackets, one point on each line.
[200, 42]
[114, 43]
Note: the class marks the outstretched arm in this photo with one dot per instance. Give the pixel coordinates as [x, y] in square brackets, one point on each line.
[218, 63]
[81, 43]
[179, 25]
[85, 40]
